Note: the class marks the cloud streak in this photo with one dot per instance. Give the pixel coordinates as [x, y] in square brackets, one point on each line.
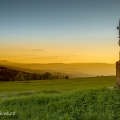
[39, 50]
[24, 49]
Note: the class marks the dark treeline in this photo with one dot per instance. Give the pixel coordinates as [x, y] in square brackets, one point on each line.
[7, 74]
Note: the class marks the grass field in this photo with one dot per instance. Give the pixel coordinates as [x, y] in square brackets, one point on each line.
[72, 99]
[58, 84]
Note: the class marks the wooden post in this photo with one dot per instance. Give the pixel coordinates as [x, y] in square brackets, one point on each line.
[118, 74]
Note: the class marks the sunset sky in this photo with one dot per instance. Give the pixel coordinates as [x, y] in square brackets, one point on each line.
[64, 31]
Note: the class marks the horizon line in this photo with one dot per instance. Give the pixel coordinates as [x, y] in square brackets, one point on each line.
[58, 62]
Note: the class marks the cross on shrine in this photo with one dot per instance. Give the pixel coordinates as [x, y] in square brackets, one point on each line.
[119, 28]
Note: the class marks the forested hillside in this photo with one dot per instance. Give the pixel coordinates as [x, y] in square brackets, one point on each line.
[7, 74]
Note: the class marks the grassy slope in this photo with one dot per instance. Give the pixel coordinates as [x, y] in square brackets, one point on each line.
[101, 104]
[62, 100]
[57, 85]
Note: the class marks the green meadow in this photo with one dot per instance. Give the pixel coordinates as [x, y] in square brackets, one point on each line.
[71, 99]
[58, 84]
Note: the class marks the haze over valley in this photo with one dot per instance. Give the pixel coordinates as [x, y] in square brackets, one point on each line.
[71, 69]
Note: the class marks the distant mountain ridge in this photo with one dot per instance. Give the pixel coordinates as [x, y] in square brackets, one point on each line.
[73, 69]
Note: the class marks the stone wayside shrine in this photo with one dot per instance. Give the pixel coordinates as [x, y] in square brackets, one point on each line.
[118, 63]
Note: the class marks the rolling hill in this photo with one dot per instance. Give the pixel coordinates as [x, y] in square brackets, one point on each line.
[72, 69]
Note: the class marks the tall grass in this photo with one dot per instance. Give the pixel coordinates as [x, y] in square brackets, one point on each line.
[94, 104]
[72, 99]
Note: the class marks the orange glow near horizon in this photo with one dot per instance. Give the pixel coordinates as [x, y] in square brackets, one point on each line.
[61, 53]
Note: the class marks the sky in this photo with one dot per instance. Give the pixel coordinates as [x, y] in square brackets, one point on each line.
[59, 31]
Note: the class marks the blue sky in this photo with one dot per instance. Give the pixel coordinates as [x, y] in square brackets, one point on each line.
[61, 27]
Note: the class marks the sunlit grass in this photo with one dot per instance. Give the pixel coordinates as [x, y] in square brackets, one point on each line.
[57, 85]
[72, 99]
[95, 104]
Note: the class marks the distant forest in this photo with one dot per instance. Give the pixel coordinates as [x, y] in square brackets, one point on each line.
[7, 74]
